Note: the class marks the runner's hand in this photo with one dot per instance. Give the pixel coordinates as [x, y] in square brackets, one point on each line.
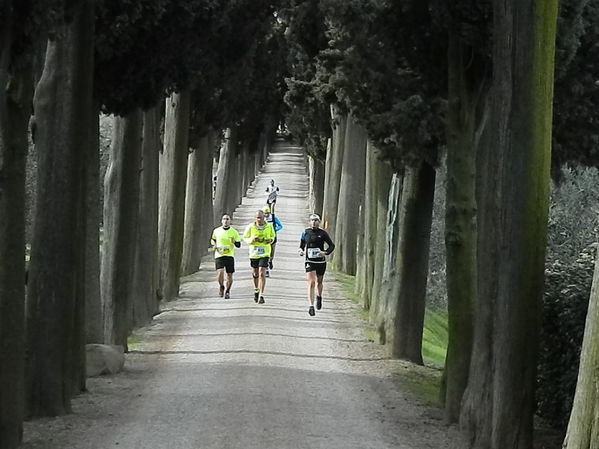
[300, 252]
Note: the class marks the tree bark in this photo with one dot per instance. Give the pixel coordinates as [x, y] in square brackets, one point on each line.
[467, 90]
[583, 427]
[173, 179]
[412, 262]
[499, 403]
[16, 92]
[351, 196]
[389, 279]
[225, 175]
[94, 321]
[317, 169]
[121, 208]
[55, 306]
[333, 173]
[145, 268]
[378, 179]
[198, 208]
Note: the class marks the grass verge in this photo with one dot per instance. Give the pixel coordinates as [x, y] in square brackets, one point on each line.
[423, 383]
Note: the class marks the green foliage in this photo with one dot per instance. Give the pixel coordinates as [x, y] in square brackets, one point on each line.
[576, 100]
[307, 117]
[573, 214]
[386, 64]
[567, 289]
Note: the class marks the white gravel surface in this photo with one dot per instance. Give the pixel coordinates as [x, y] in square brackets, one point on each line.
[216, 373]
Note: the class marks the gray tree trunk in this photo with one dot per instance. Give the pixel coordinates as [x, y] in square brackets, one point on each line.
[583, 427]
[16, 92]
[94, 321]
[225, 175]
[198, 208]
[173, 180]
[55, 306]
[317, 169]
[412, 262]
[333, 173]
[467, 91]
[145, 268]
[380, 304]
[498, 404]
[121, 209]
[378, 180]
[351, 197]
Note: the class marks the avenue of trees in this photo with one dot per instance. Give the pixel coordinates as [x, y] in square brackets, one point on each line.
[483, 90]
[186, 82]
[382, 94]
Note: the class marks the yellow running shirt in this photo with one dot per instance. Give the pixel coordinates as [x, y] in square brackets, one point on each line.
[223, 241]
[259, 249]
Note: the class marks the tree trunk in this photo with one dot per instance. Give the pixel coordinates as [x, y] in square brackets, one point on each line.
[375, 202]
[145, 268]
[94, 321]
[173, 179]
[415, 219]
[63, 106]
[121, 209]
[198, 208]
[225, 175]
[379, 314]
[583, 428]
[499, 403]
[316, 185]
[467, 89]
[351, 196]
[333, 173]
[16, 92]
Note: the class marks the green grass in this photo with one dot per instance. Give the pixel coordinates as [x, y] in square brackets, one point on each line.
[434, 338]
[133, 341]
[425, 384]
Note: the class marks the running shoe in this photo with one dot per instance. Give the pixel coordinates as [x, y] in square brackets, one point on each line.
[318, 302]
[256, 295]
[267, 274]
[261, 301]
[311, 311]
[221, 291]
[227, 294]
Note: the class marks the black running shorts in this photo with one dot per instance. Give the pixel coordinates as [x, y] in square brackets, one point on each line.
[319, 267]
[262, 262]
[226, 262]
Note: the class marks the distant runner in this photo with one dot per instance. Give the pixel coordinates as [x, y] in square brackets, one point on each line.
[224, 240]
[272, 191]
[276, 224]
[259, 235]
[312, 244]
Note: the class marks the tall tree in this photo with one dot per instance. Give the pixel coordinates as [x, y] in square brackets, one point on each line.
[121, 211]
[582, 428]
[16, 92]
[63, 106]
[499, 400]
[173, 179]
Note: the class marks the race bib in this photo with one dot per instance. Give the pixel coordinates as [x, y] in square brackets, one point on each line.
[313, 253]
[259, 250]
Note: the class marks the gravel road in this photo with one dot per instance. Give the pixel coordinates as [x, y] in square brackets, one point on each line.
[230, 373]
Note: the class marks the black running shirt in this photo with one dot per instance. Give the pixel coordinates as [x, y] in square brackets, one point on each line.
[312, 241]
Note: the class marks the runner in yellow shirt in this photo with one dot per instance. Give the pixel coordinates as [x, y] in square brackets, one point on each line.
[259, 235]
[224, 240]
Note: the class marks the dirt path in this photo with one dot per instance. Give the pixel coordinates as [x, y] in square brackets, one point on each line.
[216, 373]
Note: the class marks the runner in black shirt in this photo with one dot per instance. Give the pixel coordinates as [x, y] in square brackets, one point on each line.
[312, 246]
